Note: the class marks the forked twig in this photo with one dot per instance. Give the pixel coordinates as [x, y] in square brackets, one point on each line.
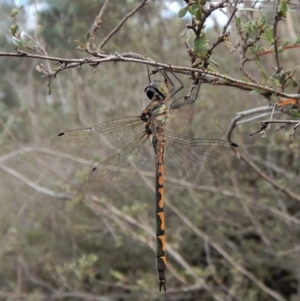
[224, 33]
[118, 27]
[96, 25]
[265, 126]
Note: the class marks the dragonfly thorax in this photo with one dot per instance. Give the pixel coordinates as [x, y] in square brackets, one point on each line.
[155, 116]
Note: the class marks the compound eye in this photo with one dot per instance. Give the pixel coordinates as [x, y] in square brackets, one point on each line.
[156, 90]
[150, 93]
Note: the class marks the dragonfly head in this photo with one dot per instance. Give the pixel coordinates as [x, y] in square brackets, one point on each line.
[157, 90]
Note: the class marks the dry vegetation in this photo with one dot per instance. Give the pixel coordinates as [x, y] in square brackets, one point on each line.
[234, 240]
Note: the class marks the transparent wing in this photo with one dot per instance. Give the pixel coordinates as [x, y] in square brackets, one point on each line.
[181, 115]
[99, 142]
[121, 146]
[200, 161]
[126, 168]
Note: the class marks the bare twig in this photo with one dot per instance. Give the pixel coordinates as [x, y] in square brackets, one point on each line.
[289, 193]
[206, 13]
[245, 116]
[118, 27]
[265, 125]
[35, 20]
[96, 26]
[28, 149]
[224, 33]
[205, 75]
[118, 216]
[33, 185]
[292, 121]
[275, 24]
[268, 51]
[262, 131]
[230, 259]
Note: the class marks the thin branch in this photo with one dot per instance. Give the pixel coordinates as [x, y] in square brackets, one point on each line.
[96, 26]
[288, 252]
[281, 171]
[120, 215]
[265, 125]
[268, 51]
[34, 186]
[284, 216]
[275, 24]
[206, 13]
[240, 117]
[217, 78]
[171, 251]
[230, 259]
[277, 186]
[255, 222]
[25, 150]
[224, 33]
[292, 121]
[118, 27]
[35, 20]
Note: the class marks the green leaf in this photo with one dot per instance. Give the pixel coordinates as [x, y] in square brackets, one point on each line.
[80, 44]
[263, 73]
[263, 19]
[282, 78]
[118, 275]
[41, 69]
[18, 42]
[247, 9]
[198, 14]
[14, 12]
[238, 22]
[14, 29]
[192, 10]
[249, 27]
[285, 43]
[209, 68]
[82, 175]
[88, 34]
[294, 83]
[183, 33]
[297, 40]
[283, 8]
[256, 49]
[201, 45]
[215, 63]
[197, 62]
[257, 91]
[182, 12]
[294, 113]
[268, 35]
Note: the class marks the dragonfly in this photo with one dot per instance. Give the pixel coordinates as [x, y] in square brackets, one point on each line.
[128, 149]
